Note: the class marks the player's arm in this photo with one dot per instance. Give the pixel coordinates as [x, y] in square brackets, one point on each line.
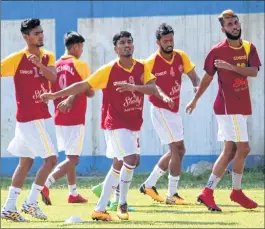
[189, 69]
[244, 71]
[98, 80]
[194, 79]
[210, 70]
[204, 84]
[73, 89]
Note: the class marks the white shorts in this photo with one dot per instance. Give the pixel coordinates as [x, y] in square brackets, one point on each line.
[31, 140]
[70, 139]
[232, 128]
[167, 124]
[121, 143]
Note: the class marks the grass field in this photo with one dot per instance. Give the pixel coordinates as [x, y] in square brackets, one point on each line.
[149, 214]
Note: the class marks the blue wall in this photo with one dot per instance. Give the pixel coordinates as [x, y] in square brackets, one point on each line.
[91, 165]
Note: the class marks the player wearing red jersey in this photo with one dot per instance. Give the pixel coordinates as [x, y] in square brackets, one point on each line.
[168, 65]
[33, 68]
[69, 116]
[234, 60]
[124, 83]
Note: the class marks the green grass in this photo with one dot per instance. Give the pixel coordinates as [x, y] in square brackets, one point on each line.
[149, 214]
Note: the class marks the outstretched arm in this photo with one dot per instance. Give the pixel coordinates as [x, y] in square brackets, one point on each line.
[73, 89]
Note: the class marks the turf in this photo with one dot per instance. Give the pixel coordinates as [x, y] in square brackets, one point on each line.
[148, 213]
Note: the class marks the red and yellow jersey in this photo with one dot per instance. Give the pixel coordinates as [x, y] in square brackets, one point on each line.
[29, 82]
[168, 74]
[121, 109]
[69, 71]
[233, 95]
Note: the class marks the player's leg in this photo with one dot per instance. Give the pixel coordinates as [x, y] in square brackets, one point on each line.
[39, 142]
[226, 156]
[111, 181]
[109, 186]
[70, 140]
[162, 129]
[149, 186]
[177, 152]
[114, 204]
[17, 147]
[242, 152]
[74, 196]
[9, 210]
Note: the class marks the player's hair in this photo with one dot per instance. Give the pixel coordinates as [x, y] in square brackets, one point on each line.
[72, 38]
[226, 14]
[121, 34]
[28, 24]
[163, 29]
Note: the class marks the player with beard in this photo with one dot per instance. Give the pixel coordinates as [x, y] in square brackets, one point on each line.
[124, 82]
[33, 69]
[234, 60]
[168, 65]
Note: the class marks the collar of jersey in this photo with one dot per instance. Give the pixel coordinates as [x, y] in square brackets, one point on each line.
[26, 51]
[234, 47]
[68, 56]
[126, 69]
[168, 62]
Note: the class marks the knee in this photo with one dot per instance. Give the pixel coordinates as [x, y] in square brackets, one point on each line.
[51, 161]
[74, 160]
[177, 149]
[131, 160]
[244, 151]
[182, 151]
[117, 164]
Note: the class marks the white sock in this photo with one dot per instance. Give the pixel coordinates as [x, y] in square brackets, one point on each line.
[213, 181]
[50, 180]
[236, 180]
[116, 195]
[11, 201]
[154, 176]
[109, 186]
[172, 185]
[34, 193]
[72, 190]
[125, 181]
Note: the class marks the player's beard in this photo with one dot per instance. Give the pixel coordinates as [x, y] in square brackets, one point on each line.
[232, 37]
[40, 45]
[166, 51]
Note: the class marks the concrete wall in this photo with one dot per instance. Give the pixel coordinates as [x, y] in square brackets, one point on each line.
[196, 30]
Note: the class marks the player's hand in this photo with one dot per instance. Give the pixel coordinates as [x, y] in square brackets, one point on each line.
[169, 101]
[45, 97]
[125, 87]
[191, 106]
[223, 65]
[34, 60]
[65, 106]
